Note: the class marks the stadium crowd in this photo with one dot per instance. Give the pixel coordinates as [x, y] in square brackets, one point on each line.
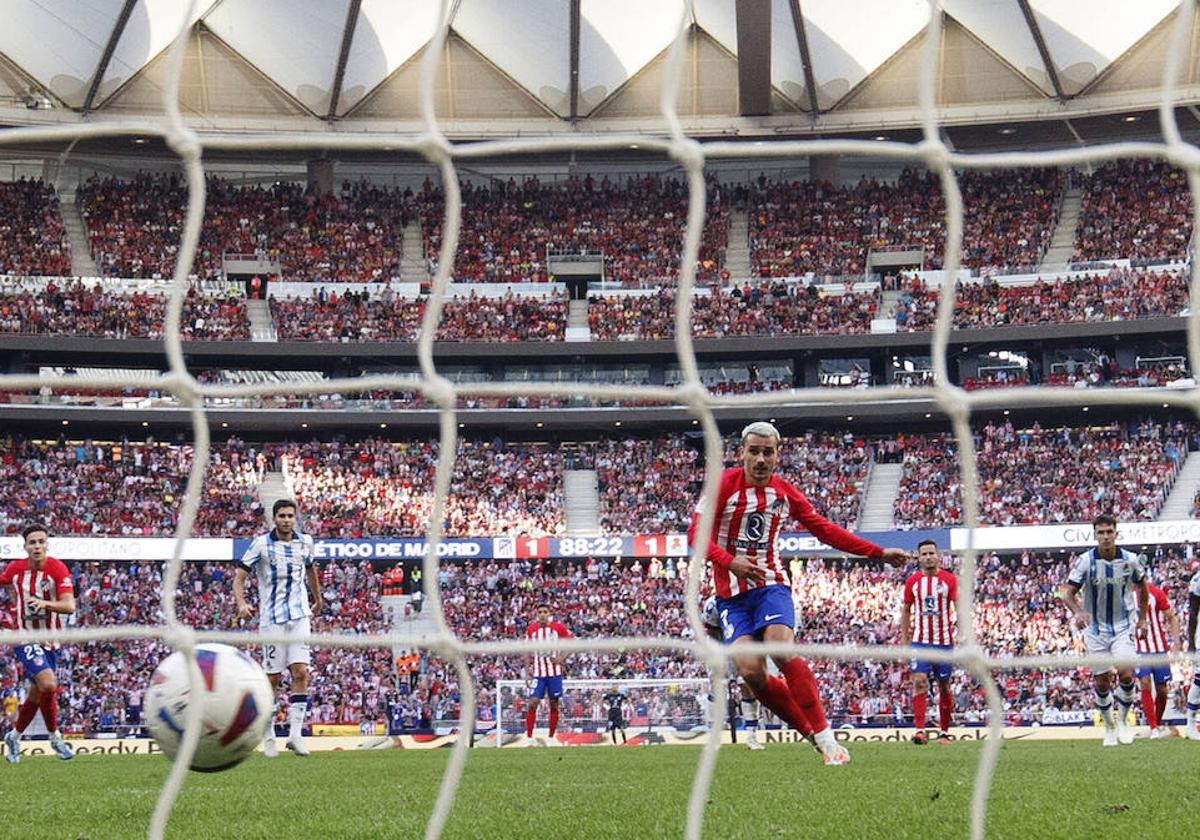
[838, 602]
[1044, 475]
[1136, 210]
[33, 240]
[74, 308]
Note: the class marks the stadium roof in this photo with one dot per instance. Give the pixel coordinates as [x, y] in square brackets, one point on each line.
[836, 65]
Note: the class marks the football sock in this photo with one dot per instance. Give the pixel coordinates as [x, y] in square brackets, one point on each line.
[1104, 705]
[1148, 707]
[803, 686]
[296, 713]
[1124, 695]
[945, 709]
[530, 720]
[776, 697]
[553, 722]
[920, 706]
[25, 715]
[48, 703]
[1160, 703]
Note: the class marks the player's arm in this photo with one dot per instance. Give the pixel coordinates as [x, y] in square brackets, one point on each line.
[244, 610]
[1069, 593]
[905, 621]
[1143, 602]
[739, 565]
[1173, 627]
[1193, 608]
[314, 586]
[564, 632]
[837, 536]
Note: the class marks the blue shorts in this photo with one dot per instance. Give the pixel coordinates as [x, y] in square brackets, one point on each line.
[1159, 673]
[34, 659]
[547, 687]
[749, 613]
[940, 670]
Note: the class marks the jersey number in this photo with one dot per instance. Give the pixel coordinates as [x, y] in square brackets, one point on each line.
[34, 652]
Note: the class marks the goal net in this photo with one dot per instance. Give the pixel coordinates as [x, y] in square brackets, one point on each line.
[932, 152]
[678, 708]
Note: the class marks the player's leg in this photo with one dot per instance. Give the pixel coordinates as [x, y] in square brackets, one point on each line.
[37, 666]
[1162, 690]
[1193, 706]
[1103, 682]
[299, 657]
[1149, 710]
[535, 699]
[920, 699]
[553, 717]
[47, 691]
[750, 712]
[1125, 689]
[945, 702]
[273, 664]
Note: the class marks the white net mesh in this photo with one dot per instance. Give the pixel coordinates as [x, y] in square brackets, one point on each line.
[954, 402]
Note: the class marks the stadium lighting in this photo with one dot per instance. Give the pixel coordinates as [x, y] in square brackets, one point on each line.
[539, 425]
[618, 423]
[928, 415]
[383, 425]
[1007, 130]
[849, 416]
[144, 424]
[66, 422]
[1006, 412]
[303, 425]
[140, 141]
[224, 425]
[880, 136]
[1085, 408]
[1132, 118]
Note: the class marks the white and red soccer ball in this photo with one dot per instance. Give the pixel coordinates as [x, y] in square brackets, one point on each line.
[238, 705]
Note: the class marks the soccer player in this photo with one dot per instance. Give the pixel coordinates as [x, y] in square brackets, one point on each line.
[1193, 642]
[754, 597]
[1156, 681]
[933, 590]
[44, 594]
[547, 672]
[282, 560]
[1110, 577]
[615, 701]
[744, 697]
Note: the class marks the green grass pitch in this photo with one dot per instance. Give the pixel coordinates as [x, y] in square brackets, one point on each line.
[1066, 789]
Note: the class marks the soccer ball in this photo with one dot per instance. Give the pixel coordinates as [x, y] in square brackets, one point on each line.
[238, 706]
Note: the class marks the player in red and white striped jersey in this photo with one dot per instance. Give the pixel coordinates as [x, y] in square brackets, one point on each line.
[1161, 623]
[932, 591]
[44, 594]
[754, 598]
[546, 671]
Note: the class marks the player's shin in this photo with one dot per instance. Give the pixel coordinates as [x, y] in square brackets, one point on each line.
[25, 715]
[803, 687]
[296, 714]
[920, 704]
[776, 697]
[553, 721]
[945, 710]
[1149, 708]
[530, 721]
[1104, 702]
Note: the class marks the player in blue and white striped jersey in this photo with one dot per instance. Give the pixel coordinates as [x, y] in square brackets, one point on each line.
[1192, 643]
[1115, 599]
[282, 560]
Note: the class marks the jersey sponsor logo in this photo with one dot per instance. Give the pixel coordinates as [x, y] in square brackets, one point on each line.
[756, 527]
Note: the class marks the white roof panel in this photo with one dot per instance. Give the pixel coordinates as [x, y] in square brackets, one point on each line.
[294, 42]
[59, 42]
[849, 39]
[719, 19]
[787, 65]
[387, 34]
[1000, 25]
[611, 51]
[1084, 38]
[530, 41]
[150, 29]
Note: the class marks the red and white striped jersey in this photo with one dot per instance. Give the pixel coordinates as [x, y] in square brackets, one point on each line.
[544, 665]
[749, 519]
[50, 582]
[933, 598]
[1156, 636]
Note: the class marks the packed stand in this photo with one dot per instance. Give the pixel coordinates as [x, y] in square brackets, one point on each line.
[72, 307]
[1044, 475]
[33, 239]
[125, 489]
[1136, 210]
[353, 234]
[385, 488]
[1114, 295]
[802, 227]
[651, 486]
[507, 227]
[774, 309]
[1017, 613]
[359, 316]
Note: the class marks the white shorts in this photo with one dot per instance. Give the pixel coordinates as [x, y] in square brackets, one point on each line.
[1118, 644]
[276, 655]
